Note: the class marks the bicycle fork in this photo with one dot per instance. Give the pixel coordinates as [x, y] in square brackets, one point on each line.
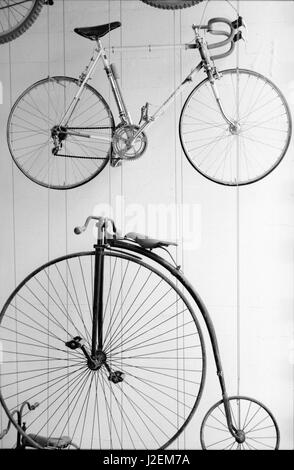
[96, 355]
[212, 75]
[238, 434]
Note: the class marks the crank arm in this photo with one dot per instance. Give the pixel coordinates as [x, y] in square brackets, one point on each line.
[78, 343]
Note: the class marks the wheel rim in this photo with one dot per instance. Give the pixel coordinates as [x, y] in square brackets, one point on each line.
[254, 422]
[172, 4]
[31, 125]
[151, 335]
[14, 15]
[243, 153]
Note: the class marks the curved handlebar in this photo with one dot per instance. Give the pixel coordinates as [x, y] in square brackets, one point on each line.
[19, 416]
[232, 35]
[216, 32]
[101, 222]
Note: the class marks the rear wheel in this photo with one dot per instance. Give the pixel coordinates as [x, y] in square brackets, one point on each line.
[16, 16]
[34, 128]
[256, 426]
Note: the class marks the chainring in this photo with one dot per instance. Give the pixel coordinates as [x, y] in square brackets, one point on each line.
[123, 147]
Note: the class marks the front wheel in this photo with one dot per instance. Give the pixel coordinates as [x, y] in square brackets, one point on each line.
[57, 153]
[257, 428]
[253, 145]
[16, 17]
[149, 381]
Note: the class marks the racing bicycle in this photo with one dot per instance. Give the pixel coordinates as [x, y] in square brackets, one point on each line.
[235, 126]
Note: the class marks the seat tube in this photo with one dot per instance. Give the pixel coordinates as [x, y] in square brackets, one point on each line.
[97, 325]
[112, 75]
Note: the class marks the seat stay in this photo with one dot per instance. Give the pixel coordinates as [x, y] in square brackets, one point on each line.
[112, 77]
[90, 70]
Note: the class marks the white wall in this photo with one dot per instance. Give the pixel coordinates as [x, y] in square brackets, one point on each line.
[255, 322]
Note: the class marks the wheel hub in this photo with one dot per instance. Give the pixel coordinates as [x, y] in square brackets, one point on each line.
[59, 132]
[235, 128]
[240, 436]
[96, 362]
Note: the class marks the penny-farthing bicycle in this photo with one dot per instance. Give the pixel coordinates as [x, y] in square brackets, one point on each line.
[108, 343]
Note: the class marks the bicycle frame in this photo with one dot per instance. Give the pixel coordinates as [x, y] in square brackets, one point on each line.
[123, 245]
[124, 114]
[105, 241]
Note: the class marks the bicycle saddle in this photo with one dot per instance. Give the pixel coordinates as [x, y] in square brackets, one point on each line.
[146, 242]
[56, 442]
[95, 32]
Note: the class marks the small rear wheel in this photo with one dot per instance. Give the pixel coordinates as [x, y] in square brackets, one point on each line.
[254, 422]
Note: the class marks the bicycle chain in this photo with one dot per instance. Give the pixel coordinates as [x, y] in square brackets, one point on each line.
[80, 156]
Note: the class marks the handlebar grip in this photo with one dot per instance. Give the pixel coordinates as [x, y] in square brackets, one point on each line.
[79, 230]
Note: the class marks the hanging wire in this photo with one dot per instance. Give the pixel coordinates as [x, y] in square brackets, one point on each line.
[181, 218]
[238, 267]
[65, 193]
[48, 212]
[175, 199]
[13, 217]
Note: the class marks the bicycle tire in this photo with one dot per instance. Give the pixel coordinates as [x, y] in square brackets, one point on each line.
[172, 386]
[254, 415]
[171, 4]
[24, 24]
[244, 156]
[29, 133]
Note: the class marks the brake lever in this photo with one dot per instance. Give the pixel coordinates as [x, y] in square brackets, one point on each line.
[238, 36]
[239, 23]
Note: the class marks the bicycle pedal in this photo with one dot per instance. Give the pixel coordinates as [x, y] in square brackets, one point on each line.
[116, 377]
[75, 343]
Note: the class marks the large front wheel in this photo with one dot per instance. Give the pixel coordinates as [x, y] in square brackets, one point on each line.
[148, 375]
[252, 144]
[57, 140]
